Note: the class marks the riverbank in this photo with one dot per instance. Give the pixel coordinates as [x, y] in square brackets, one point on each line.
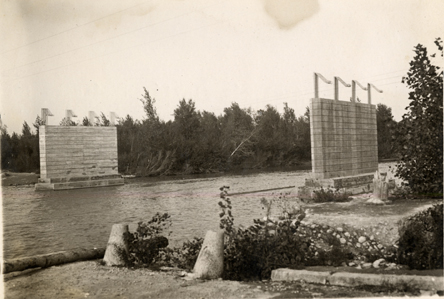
[90, 279]
[30, 178]
[19, 178]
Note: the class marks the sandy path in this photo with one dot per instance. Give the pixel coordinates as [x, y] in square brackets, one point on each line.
[92, 280]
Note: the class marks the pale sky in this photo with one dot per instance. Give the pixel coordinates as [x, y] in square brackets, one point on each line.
[98, 55]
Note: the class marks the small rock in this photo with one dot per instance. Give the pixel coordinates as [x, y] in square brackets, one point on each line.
[358, 245]
[366, 265]
[338, 236]
[339, 229]
[372, 237]
[380, 246]
[342, 240]
[375, 201]
[347, 234]
[362, 239]
[329, 231]
[351, 264]
[379, 263]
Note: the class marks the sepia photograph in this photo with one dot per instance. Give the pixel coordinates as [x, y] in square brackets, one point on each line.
[221, 149]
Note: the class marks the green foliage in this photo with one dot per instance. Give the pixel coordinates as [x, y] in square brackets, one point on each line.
[386, 127]
[183, 257]
[420, 133]
[330, 195]
[149, 106]
[20, 152]
[226, 217]
[104, 121]
[145, 243]
[255, 251]
[67, 122]
[421, 239]
[201, 142]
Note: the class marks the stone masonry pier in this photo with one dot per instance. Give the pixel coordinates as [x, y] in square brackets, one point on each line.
[77, 157]
[344, 146]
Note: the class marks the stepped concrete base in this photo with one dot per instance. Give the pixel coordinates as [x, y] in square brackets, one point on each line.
[432, 283]
[79, 182]
[356, 184]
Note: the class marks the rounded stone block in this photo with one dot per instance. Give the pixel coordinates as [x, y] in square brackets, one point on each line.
[210, 262]
[116, 244]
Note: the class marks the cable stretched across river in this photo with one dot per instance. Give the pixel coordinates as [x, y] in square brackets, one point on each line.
[262, 190]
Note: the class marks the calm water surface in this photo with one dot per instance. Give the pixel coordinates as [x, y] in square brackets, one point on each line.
[50, 221]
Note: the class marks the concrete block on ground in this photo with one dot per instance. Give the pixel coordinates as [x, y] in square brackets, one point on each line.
[116, 244]
[432, 283]
[292, 275]
[210, 262]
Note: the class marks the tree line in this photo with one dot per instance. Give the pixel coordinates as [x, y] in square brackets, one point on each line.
[201, 142]
[197, 142]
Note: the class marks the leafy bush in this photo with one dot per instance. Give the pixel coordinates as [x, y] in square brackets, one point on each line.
[145, 243]
[183, 257]
[419, 136]
[330, 195]
[255, 251]
[421, 239]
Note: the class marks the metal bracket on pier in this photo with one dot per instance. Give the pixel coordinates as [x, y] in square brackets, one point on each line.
[45, 113]
[369, 86]
[354, 82]
[316, 76]
[337, 87]
[69, 114]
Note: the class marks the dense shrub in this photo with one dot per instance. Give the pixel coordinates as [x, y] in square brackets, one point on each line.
[421, 239]
[253, 252]
[183, 257]
[330, 195]
[145, 243]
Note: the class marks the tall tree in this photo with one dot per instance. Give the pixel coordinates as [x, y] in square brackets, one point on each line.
[269, 135]
[420, 133]
[386, 127]
[149, 106]
[186, 127]
[186, 119]
[237, 130]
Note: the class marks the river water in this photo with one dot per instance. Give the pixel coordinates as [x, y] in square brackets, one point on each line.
[39, 222]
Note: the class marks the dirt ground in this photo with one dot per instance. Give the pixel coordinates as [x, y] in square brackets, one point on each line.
[90, 279]
[381, 221]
